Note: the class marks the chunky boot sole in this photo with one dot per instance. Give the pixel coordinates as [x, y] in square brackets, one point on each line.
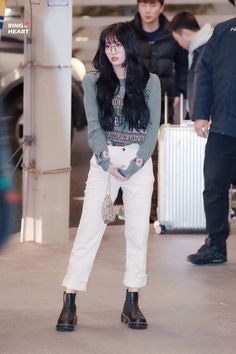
[133, 325]
[66, 327]
[201, 261]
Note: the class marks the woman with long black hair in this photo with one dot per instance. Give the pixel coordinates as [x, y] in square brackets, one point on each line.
[122, 104]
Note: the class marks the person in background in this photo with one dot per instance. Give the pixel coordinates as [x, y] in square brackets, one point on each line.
[2, 13]
[122, 104]
[164, 57]
[215, 102]
[8, 196]
[187, 32]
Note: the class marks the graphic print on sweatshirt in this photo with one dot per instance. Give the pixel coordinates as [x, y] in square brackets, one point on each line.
[117, 103]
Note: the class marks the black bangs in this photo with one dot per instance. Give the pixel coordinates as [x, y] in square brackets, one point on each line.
[112, 34]
[111, 38]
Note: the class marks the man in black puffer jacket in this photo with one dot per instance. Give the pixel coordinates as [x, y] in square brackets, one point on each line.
[162, 54]
[216, 102]
[164, 57]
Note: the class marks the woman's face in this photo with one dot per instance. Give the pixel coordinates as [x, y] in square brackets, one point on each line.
[115, 52]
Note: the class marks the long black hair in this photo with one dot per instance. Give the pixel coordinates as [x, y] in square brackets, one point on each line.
[135, 109]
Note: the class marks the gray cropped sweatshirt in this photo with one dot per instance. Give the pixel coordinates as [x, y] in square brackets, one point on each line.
[121, 135]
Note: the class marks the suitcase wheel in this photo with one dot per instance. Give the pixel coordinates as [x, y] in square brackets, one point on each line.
[160, 229]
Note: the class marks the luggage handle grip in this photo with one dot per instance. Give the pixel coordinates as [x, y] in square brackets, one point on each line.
[181, 108]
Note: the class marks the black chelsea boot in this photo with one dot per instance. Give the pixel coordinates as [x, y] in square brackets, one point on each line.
[68, 318]
[131, 314]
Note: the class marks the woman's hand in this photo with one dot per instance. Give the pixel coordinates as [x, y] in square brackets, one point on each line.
[113, 170]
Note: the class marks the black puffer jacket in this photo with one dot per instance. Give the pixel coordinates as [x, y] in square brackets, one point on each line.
[216, 89]
[164, 57]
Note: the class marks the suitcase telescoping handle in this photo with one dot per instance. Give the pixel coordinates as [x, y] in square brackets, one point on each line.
[181, 109]
[165, 109]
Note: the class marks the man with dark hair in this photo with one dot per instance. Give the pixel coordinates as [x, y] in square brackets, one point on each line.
[161, 52]
[187, 32]
[215, 102]
[163, 57]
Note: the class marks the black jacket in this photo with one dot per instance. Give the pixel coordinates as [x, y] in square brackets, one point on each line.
[216, 89]
[193, 77]
[164, 57]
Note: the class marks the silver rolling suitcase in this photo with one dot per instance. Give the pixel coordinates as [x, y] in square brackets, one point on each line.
[180, 178]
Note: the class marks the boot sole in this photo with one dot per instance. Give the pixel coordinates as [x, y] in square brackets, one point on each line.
[206, 262]
[132, 325]
[66, 327]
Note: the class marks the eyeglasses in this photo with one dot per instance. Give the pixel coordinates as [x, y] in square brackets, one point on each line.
[117, 46]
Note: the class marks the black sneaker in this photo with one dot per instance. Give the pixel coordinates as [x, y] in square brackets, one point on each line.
[209, 254]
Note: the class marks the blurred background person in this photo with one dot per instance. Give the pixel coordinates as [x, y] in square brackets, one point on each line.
[2, 13]
[8, 197]
[164, 57]
[187, 32]
[215, 101]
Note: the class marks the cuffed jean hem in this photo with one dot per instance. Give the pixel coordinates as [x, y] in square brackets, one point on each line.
[130, 282]
[82, 286]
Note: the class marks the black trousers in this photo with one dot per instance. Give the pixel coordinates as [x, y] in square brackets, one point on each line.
[219, 170]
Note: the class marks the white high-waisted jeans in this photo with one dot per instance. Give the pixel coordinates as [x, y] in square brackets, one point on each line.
[137, 193]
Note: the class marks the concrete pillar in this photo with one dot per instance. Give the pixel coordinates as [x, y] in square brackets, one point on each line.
[47, 115]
